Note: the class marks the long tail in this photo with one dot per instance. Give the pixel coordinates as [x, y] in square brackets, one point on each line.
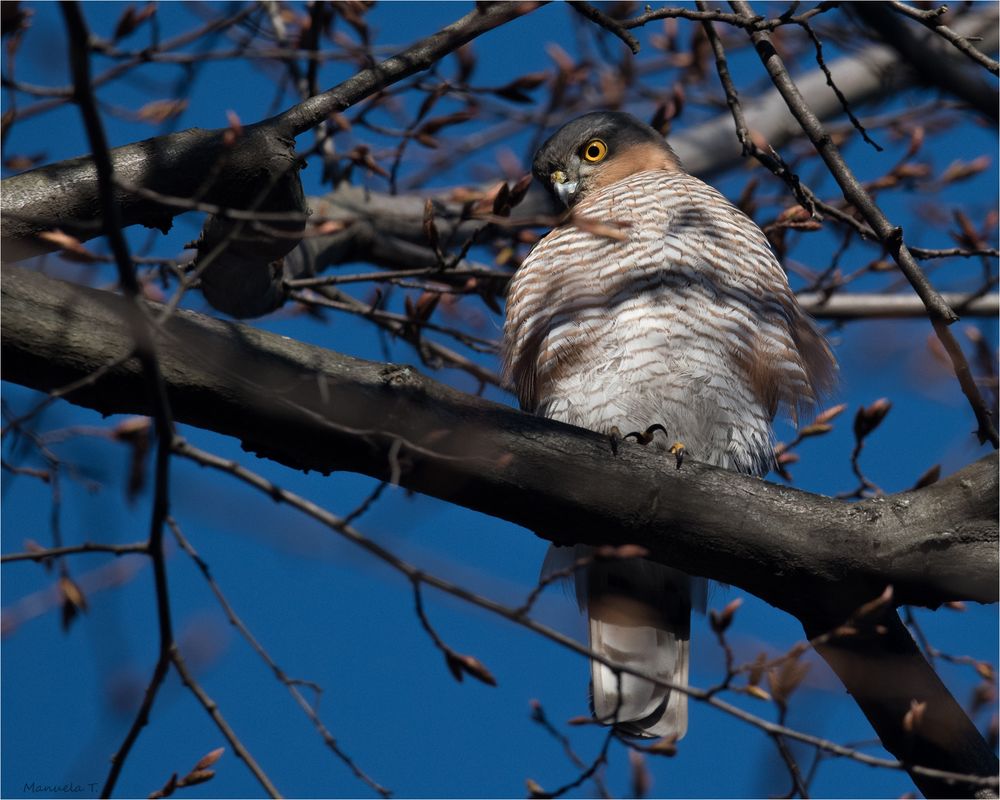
[640, 617]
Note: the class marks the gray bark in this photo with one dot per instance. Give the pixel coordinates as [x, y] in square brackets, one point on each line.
[311, 408]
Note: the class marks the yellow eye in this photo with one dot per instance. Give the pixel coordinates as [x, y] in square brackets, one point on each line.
[595, 151]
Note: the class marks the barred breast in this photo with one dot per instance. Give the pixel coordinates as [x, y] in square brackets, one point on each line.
[687, 322]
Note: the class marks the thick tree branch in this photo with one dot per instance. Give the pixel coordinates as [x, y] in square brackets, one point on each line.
[64, 194]
[388, 230]
[855, 305]
[885, 672]
[203, 164]
[311, 408]
[485, 17]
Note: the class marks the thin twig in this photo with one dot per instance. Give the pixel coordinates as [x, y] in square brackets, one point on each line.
[291, 684]
[333, 522]
[610, 25]
[891, 236]
[799, 786]
[771, 160]
[87, 547]
[818, 45]
[79, 38]
[213, 711]
[931, 19]
[538, 715]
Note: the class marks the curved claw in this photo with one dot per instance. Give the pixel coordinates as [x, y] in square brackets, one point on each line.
[646, 436]
[615, 437]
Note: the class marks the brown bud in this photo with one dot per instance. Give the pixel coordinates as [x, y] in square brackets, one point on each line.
[756, 691]
[815, 429]
[916, 141]
[459, 664]
[830, 413]
[869, 418]
[501, 202]
[234, 130]
[914, 717]
[159, 111]
[71, 593]
[519, 190]
[930, 476]
[667, 746]
[784, 680]
[757, 669]
[721, 620]
[209, 759]
[875, 605]
[195, 777]
[72, 248]
[132, 19]
[959, 170]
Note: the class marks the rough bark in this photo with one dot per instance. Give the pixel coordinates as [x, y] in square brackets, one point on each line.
[199, 164]
[177, 164]
[885, 672]
[388, 230]
[311, 408]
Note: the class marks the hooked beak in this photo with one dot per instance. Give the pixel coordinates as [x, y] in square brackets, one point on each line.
[563, 188]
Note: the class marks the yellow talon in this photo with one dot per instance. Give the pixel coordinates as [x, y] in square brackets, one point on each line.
[677, 450]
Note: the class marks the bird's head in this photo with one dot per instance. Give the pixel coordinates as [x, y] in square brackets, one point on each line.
[596, 150]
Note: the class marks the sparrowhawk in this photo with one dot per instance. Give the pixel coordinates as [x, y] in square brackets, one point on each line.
[656, 303]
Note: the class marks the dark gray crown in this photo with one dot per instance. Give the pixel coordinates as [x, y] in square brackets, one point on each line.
[617, 129]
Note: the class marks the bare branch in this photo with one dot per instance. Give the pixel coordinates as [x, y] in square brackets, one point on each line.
[604, 21]
[891, 236]
[314, 409]
[46, 553]
[964, 781]
[420, 56]
[289, 683]
[138, 335]
[176, 165]
[845, 306]
[931, 19]
[934, 62]
[210, 706]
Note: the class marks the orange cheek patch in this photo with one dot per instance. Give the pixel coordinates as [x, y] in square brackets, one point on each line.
[638, 158]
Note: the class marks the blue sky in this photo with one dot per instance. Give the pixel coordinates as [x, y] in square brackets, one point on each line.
[328, 613]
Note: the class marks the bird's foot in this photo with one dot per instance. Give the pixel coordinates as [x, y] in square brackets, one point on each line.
[646, 436]
[677, 450]
[615, 438]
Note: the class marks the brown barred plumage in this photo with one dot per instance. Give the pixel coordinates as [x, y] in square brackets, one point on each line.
[688, 321]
